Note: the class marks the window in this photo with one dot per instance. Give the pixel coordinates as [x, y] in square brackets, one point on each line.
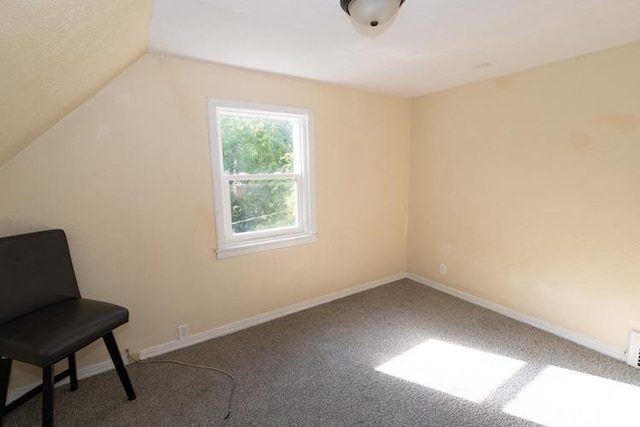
[262, 176]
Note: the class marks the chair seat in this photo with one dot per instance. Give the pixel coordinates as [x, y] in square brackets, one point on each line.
[52, 333]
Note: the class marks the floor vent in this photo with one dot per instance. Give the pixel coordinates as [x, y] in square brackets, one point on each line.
[633, 355]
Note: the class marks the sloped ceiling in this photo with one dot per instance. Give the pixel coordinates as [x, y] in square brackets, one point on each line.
[54, 54]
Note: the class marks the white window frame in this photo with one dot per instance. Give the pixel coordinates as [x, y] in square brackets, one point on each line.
[232, 244]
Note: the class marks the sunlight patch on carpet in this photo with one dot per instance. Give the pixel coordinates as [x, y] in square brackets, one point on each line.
[562, 397]
[456, 370]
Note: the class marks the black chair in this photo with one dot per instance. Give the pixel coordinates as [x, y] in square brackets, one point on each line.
[43, 319]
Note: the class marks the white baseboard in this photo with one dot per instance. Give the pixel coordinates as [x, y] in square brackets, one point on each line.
[101, 367]
[263, 318]
[532, 321]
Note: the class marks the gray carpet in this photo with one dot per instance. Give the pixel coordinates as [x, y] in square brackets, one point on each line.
[318, 367]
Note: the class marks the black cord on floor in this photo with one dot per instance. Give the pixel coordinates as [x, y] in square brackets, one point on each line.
[190, 365]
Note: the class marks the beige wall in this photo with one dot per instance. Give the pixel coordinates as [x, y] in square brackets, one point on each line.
[528, 188]
[127, 174]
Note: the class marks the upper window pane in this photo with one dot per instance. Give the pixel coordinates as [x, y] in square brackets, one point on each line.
[256, 144]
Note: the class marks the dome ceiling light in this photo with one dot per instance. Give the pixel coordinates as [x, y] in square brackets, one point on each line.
[371, 13]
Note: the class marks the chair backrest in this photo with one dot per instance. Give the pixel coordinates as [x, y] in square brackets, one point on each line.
[35, 272]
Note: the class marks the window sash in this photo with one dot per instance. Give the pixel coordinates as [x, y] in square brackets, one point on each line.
[232, 237]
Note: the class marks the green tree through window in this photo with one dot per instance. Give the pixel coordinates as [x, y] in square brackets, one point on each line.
[261, 156]
[256, 145]
[259, 146]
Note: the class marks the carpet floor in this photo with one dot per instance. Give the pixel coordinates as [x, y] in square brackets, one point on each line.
[400, 354]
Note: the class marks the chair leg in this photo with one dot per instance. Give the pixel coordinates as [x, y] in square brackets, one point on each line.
[73, 372]
[110, 342]
[5, 373]
[47, 396]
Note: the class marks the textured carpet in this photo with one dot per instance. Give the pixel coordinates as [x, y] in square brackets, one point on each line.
[318, 367]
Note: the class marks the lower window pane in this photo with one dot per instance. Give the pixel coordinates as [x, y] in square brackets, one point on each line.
[262, 204]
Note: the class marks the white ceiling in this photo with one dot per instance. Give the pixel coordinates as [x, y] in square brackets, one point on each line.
[431, 45]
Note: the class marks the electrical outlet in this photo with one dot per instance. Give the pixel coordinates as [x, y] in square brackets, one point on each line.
[183, 332]
[443, 269]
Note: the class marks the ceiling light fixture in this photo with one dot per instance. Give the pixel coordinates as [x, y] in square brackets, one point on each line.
[371, 12]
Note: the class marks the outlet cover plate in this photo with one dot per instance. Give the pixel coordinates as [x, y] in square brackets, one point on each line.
[183, 332]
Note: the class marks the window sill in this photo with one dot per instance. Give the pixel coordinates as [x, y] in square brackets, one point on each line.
[250, 248]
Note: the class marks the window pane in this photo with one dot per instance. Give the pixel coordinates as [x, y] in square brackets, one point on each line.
[262, 204]
[256, 145]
